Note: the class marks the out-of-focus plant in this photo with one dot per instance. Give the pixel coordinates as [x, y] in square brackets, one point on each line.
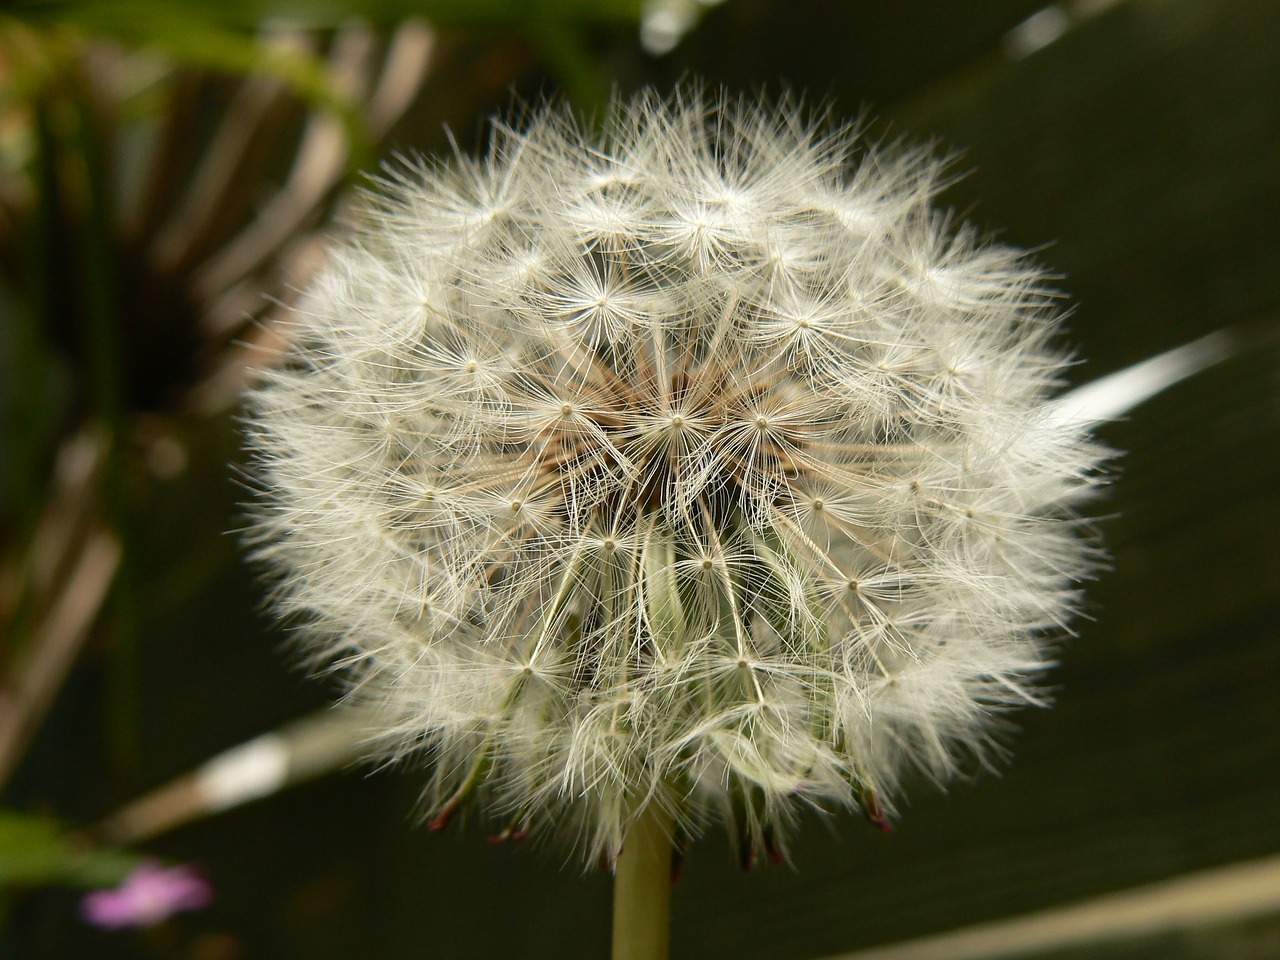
[207, 32]
[35, 851]
[135, 250]
[167, 174]
[126, 889]
[149, 895]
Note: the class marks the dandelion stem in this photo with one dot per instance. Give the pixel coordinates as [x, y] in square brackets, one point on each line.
[642, 888]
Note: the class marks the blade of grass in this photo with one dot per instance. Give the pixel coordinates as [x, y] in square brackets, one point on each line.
[54, 647]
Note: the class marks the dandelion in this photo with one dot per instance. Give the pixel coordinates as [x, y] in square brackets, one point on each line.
[696, 469]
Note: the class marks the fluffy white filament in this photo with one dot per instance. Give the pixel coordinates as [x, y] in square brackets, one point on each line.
[696, 462]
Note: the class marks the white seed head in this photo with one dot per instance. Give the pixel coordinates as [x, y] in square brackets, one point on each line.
[695, 462]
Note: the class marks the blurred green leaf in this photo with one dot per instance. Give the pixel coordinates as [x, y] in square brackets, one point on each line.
[251, 13]
[38, 851]
[197, 35]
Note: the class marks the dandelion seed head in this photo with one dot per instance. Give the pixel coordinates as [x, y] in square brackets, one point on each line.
[696, 462]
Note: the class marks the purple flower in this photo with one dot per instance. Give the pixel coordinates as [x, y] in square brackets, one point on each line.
[150, 894]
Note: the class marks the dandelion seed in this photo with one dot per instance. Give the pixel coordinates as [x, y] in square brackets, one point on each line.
[717, 472]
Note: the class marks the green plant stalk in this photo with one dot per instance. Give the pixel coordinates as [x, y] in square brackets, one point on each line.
[104, 313]
[642, 888]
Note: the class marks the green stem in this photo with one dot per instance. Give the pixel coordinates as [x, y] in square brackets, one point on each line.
[642, 888]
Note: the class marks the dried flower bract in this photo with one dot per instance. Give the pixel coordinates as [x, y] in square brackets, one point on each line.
[696, 462]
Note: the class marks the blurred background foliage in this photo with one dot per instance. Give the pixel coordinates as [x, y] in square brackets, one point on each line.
[169, 172]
